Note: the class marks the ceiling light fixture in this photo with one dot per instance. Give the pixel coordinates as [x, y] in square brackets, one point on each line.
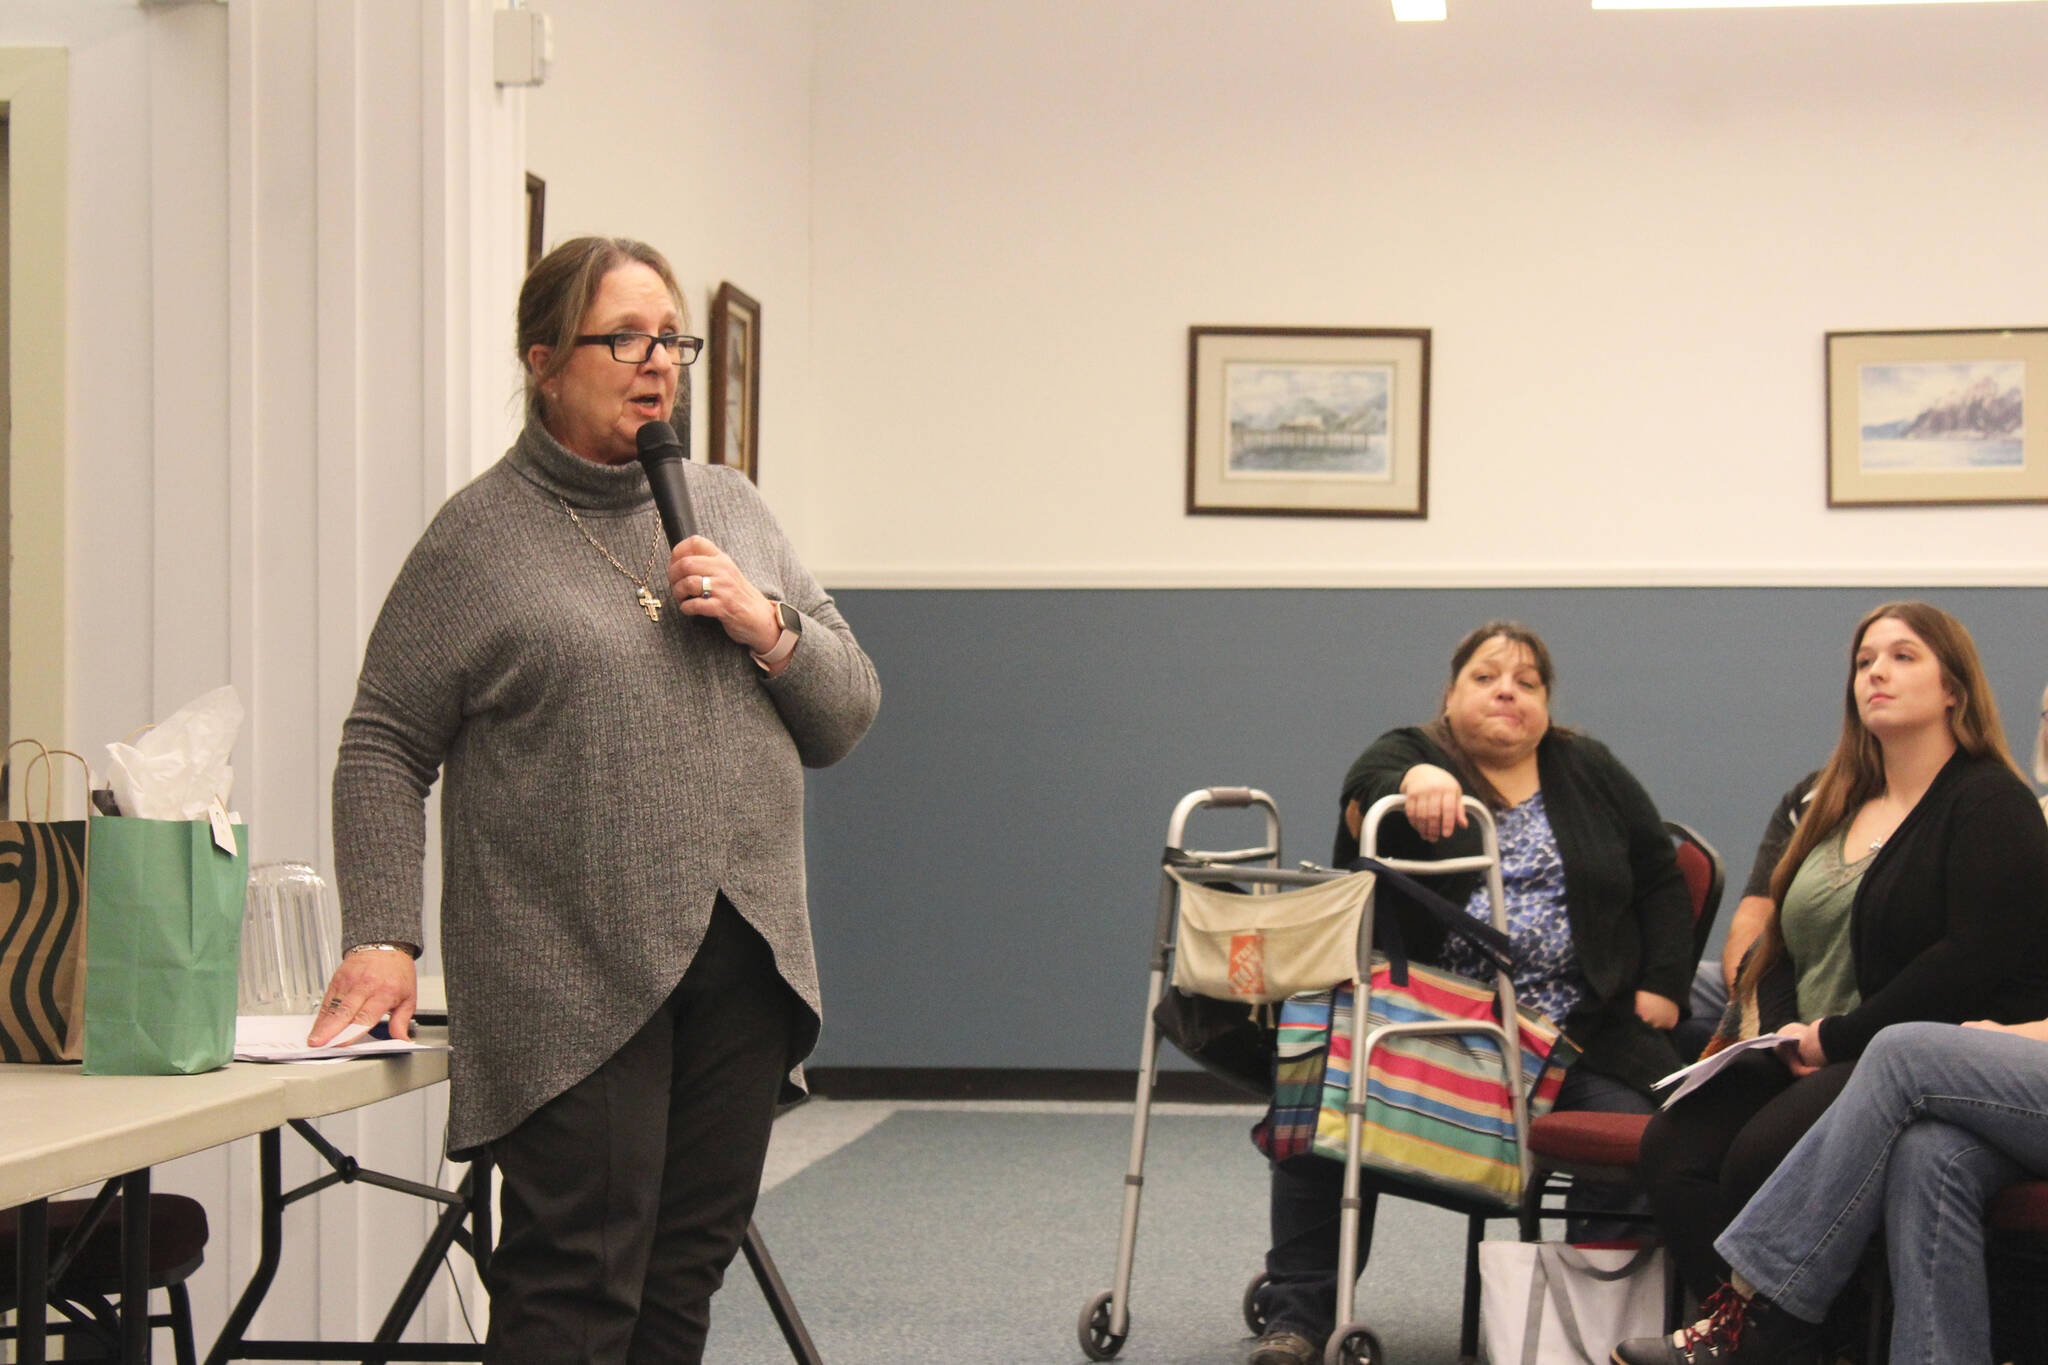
[1779, 4]
[1418, 9]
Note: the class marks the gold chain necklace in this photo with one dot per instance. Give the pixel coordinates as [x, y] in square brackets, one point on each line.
[649, 603]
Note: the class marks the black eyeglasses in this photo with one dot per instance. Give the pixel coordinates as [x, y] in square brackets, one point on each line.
[637, 348]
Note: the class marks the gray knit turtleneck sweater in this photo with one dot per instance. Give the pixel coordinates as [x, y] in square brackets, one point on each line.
[606, 775]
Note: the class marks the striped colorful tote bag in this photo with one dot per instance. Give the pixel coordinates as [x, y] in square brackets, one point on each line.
[1437, 1108]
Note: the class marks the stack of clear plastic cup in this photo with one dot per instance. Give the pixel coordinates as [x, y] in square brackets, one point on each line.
[291, 939]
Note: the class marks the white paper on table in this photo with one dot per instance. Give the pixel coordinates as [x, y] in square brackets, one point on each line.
[1699, 1073]
[282, 1038]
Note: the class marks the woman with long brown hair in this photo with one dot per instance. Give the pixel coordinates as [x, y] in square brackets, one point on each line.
[1915, 888]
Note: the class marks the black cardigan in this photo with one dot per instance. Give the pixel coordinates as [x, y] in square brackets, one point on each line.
[1630, 914]
[1951, 921]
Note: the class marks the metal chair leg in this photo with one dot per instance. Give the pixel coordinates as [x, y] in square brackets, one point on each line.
[181, 1324]
[1468, 1325]
[780, 1303]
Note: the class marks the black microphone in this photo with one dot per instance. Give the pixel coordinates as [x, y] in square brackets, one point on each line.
[663, 457]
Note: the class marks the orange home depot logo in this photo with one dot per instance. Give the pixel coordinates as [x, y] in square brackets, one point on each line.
[1248, 964]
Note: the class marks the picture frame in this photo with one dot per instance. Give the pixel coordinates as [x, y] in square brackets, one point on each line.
[536, 217]
[1308, 421]
[1937, 418]
[736, 380]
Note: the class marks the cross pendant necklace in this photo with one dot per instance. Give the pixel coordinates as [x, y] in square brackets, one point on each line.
[649, 603]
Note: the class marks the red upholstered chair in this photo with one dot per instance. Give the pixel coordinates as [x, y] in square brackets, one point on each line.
[2020, 1208]
[1606, 1148]
[86, 1270]
[1705, 879]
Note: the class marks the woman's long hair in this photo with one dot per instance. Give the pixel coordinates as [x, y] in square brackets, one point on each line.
[1463, 767]
[1855, 771]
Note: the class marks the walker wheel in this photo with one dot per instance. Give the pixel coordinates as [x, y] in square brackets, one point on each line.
[1254, 1310]
[1097, 1341]
[1351, 1344]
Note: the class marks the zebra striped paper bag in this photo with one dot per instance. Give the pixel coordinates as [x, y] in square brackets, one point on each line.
[42, 932]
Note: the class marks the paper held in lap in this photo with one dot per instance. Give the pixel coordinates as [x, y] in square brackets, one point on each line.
[282, 1038]
[1691, 1078]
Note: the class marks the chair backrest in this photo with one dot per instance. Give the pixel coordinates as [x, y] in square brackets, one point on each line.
[1705, 879]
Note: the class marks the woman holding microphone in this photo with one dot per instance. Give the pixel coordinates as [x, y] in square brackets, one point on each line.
[620, 729]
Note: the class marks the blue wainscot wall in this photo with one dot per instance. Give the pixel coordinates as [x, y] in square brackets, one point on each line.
[983, 871]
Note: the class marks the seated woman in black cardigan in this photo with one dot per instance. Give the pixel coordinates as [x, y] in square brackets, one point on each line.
[1915, 888]
[1597, 910]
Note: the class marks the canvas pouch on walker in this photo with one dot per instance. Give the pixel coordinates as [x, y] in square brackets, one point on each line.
[1258, 949]
[1552, 1303]
[1438, 1112]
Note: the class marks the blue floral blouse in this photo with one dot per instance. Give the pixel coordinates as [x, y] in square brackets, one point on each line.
[1532, 875]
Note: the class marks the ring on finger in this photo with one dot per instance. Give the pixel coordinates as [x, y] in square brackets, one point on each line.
[706, 588]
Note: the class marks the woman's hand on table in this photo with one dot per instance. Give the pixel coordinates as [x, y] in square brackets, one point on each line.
[740, 608]
[1435, 801]
[1656, 1010]
[1801, 1050]
[369, 984]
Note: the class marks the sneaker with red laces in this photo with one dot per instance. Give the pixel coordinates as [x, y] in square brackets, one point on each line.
[1735, 1331]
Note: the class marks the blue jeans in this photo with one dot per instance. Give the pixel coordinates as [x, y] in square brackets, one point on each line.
[1935, 1120]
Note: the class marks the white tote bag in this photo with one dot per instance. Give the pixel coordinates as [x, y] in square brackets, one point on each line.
[1552, 1303]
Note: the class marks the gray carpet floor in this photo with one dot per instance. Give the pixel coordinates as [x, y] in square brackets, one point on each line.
[977, 1233]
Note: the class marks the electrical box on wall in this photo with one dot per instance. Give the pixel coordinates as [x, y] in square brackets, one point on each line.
[523, 46]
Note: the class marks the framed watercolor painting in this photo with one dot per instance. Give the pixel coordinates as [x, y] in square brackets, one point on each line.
[736, 380]
[536, 217]
[1927, 418]
[1308, 421]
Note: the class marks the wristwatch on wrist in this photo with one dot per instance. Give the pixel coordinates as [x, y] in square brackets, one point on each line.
[792, 623]
[405, 948]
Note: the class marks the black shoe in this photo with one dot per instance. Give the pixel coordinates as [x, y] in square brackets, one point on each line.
[1735, 1331]
[1283, 1347]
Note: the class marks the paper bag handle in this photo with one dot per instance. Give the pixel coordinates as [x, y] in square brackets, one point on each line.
[43, 757]
[7, 776]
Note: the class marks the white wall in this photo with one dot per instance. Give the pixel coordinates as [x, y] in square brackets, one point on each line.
[689, 126]
[979, 233]
[1628, 233]
[289, 219]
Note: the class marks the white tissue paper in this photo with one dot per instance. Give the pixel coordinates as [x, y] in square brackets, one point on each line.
[175, 771]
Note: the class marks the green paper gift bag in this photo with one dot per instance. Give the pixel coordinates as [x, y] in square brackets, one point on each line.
[163, 946]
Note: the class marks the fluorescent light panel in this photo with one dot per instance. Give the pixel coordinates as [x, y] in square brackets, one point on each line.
[1779, 4]
[1418, 9]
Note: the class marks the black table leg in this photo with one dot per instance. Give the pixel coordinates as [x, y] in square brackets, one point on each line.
[31, 1280]
[447, 1230]
[779, 1301]
[135, 1267]
[228, 1345]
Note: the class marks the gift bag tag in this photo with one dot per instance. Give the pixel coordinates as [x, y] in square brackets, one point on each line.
[223, 831]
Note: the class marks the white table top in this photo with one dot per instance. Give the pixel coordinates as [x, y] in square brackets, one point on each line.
[60, 1129]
